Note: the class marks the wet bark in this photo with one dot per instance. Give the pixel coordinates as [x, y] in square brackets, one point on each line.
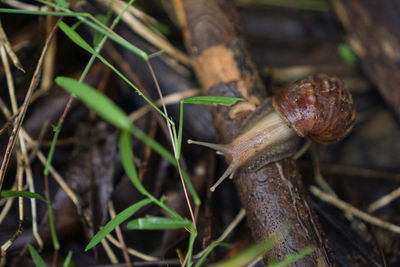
[273, 196]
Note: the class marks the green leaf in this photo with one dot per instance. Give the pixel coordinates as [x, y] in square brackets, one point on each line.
[37, 259]
[347, 54]
[106, 108]
[61, 3]
[249, 254]
[190, 188]
[158, 223]
[97, 36]
[153, 144]
[180, 130]
[212, 100]
[76, 38]
[67, 261]
[52, 223]
[126, 154]
[14, 193]
[289, 259]
[120, 218]
[57, 130]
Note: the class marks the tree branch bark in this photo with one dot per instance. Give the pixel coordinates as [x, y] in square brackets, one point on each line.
[273, 196]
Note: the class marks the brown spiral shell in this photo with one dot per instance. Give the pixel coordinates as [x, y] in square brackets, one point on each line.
[319, 108]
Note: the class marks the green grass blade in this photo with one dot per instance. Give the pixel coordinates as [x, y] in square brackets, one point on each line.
[106, 108]
[37, 12]
[190, 188]
[192, 238]
[125, 151]
[53, 231]
[57, 130]
[61, 3]
[118, 219]
[75, 37]
[213, 100]
[97, 36]
[153, 144]
[14, 193]
[180, 130]
[126, 154]
[67, 261]
[37, 259]
[158, 223]
[289, 259]
[205, 255]
[248, 255]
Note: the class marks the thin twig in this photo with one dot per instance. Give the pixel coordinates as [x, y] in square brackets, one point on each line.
[131, 251]
[354, 211]
[302, 150]
[384, 200]
[319, 179]
[20, 118]
[23, 154]
[8, 123]
[109, 251]
[42, 159]
[4, 42]
[9, 242]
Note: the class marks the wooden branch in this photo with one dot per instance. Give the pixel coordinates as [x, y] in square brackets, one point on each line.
[273, 196]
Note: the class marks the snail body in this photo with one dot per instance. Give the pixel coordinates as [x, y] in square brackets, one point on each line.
[318, 108]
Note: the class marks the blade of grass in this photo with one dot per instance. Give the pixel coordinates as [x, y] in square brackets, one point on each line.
[212, 100]
[205, 255]
[107, 109]
[190, 188]
[125, 150]
[180, 130]
[97, 36]
[248, 255]
[37, 259]
[153, 144]
[14, 193]
[61, 3]
[192, 238]
[289, 259]
[53, 232]
[118, 219]
[56, 130]
[158, 223]
[37, 12]
[67, 261]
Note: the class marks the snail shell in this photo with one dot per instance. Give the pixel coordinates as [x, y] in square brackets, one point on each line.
[319, 108]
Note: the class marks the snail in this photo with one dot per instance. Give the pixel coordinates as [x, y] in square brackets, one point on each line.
[318, 108]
